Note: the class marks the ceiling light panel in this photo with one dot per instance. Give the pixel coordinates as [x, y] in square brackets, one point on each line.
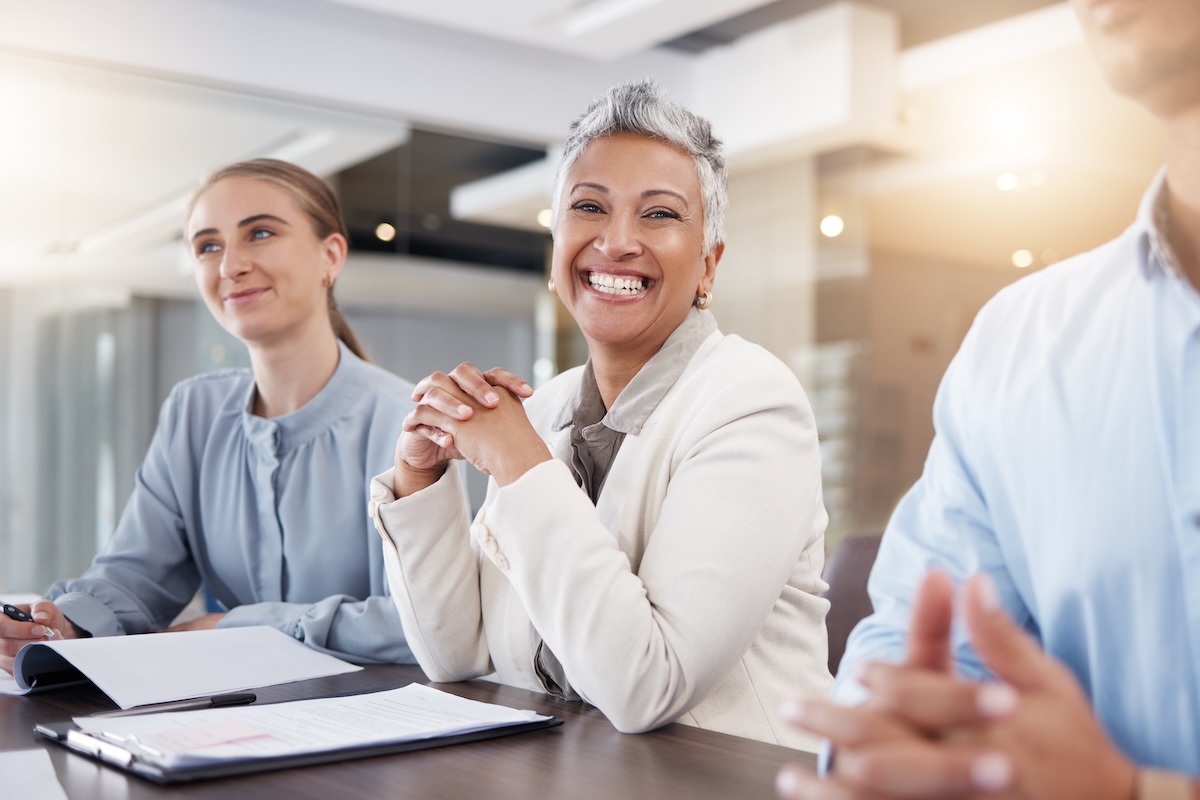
[598, 29]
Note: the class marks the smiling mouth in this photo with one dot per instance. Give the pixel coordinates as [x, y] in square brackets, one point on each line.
[243, 295]
[617, 285]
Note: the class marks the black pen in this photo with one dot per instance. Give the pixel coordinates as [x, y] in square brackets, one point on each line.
[215, 701]
[12, 612]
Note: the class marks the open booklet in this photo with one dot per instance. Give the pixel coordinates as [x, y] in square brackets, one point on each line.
[191, 745]
[161, 667]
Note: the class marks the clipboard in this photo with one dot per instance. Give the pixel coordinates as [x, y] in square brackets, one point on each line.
[140, 757]
[68, 735]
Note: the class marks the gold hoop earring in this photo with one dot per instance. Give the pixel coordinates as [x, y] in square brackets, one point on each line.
[703, 301]
[550, 285]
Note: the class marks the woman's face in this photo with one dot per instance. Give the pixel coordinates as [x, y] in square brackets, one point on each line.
[629, 242]
[261, 269]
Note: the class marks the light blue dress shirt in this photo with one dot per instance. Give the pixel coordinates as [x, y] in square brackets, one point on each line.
[269, 515]
[1066, 464]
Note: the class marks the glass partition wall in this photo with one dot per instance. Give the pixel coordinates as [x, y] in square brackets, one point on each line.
[99, 317]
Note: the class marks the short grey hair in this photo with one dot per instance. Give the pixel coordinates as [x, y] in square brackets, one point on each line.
[642, 108]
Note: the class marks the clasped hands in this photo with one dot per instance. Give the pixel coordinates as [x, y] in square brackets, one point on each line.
[471, 415]
[926, 733]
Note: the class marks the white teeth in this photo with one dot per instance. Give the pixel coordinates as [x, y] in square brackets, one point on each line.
[612, 284]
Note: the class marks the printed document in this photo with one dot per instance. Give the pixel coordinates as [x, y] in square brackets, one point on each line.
[189, 738]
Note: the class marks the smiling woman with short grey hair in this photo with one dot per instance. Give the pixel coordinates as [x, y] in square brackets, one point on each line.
[643, 109]
[653, 533]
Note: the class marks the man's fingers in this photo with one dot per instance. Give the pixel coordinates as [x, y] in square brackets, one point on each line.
[1006, 649]
[920, 769]
[930, 626]
[847, 726]
[935, 701]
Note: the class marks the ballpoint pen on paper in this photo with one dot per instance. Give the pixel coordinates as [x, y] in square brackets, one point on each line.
[215, 701]
[12, 612]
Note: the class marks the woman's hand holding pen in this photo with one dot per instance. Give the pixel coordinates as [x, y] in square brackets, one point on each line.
[45, 622]
[467, 414]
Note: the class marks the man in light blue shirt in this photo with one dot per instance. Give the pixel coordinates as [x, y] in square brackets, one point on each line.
[1065, 471]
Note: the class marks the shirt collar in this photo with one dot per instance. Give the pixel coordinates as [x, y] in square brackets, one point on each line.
[1155, 256]
[317, 415]
[641, 396]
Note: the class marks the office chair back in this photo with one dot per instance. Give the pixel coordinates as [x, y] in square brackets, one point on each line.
[846, 571]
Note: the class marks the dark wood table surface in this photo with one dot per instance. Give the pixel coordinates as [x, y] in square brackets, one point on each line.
[583, 758]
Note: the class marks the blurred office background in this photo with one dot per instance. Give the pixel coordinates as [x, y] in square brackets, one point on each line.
[894, 163]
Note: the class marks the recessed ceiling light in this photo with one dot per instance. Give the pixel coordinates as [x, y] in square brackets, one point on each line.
[1008, 120]
[543, 217]
[1007, 182]
[385, 232]
[832, 225]
[1022, 259]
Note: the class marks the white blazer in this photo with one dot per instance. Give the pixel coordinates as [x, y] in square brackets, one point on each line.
[688, 593]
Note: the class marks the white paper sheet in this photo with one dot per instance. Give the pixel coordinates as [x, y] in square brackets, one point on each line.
[30, 774]
[8, 684]
[158, 667]
[305, 726]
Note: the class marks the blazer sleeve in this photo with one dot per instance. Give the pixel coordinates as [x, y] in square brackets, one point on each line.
[433, 571]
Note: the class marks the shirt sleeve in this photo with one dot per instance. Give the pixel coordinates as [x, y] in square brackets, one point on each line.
[363, 631]
[146, 575]
[943, 522]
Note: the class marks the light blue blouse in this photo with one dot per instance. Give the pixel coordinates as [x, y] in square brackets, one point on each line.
[269, 515]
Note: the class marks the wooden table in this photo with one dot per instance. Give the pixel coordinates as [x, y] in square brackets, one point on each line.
[583, 758]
